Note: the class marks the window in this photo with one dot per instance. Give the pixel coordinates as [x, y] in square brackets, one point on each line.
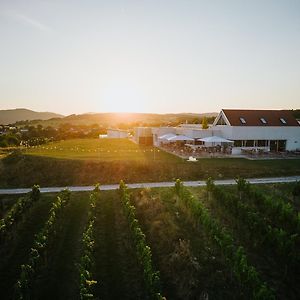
[237, 143]
[262, 143]
[263, 120]
[243, 121]
[249, 143]
[283, 121]
[221, 121]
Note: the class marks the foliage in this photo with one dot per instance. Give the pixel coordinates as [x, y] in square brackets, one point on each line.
[18, 212]
[144, 254]
[236, 257]
[242, 185]
[38, 255]
[8, 140]
[204, 123]
[87, 258]
[210, 185]
[276, 209]
[281, 243]
[296, 190]
[178, 187]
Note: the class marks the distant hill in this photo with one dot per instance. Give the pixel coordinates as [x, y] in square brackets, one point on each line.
[11, 116]
[117, 119]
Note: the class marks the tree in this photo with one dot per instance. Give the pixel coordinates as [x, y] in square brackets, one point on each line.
[243, 186]
[204, 123]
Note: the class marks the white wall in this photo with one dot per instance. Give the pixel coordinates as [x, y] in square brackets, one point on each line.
[198, 133]
[289, 133]
[116, 134]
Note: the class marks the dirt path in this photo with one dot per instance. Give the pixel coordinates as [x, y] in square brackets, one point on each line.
[109, 187]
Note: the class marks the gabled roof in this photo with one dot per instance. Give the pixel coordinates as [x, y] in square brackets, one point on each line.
[245, 117]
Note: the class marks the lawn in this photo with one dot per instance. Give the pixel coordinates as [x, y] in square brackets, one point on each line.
[87, 161]
[100, 150]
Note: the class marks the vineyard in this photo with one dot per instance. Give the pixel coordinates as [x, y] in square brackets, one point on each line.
[237, 242]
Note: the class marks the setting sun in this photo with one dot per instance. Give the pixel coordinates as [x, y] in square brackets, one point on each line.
[122, 97]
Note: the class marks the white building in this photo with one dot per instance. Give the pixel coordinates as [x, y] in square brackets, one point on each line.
[143, 135]
[117, 134]
[265, 130]
[270, 130]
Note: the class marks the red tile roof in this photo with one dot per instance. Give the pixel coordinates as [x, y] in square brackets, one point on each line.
[257, 117]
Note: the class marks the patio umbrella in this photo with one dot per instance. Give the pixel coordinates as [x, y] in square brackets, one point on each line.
[180, 138]
[166, 136]
[215, 139]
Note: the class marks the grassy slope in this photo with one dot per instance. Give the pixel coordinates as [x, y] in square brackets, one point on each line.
[87, 161]
[24, 171]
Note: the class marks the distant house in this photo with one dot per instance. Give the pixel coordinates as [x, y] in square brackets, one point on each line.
[265, 130]
[24, 130]
[117, 134]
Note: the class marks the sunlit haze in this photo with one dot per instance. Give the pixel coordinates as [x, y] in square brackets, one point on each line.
[149, 56]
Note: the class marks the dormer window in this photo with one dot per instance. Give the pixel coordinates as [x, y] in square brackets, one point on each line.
[282, 120]
[243, 121]
[263, 120]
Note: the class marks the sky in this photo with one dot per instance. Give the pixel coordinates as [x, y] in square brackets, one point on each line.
[155, 56]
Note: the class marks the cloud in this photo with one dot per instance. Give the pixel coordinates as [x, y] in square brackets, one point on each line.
[27, 21]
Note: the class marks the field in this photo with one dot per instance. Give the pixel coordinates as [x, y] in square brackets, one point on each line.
[85, 162]
[225, 243]
[100, 150]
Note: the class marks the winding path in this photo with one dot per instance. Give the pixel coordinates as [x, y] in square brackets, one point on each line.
[107, 187]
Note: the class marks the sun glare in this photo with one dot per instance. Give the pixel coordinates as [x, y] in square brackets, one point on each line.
[123, 98]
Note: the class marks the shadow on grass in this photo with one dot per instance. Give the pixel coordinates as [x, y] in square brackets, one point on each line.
[20, 170]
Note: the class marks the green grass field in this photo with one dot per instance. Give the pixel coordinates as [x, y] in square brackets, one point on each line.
[87, 161]
[100, 150]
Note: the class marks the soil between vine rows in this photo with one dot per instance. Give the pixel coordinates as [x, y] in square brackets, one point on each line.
[117, 271]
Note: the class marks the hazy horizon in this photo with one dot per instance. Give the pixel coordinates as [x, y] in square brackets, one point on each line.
[108, 112]
[72, 57]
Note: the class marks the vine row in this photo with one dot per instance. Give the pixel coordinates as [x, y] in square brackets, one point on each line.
[276, 209]
[151, 277]
[246, 274]
[17, 212]
[86, 262]
[39, 252]
[274, 238]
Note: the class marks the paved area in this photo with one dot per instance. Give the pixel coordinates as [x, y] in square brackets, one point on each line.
[151, 184]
